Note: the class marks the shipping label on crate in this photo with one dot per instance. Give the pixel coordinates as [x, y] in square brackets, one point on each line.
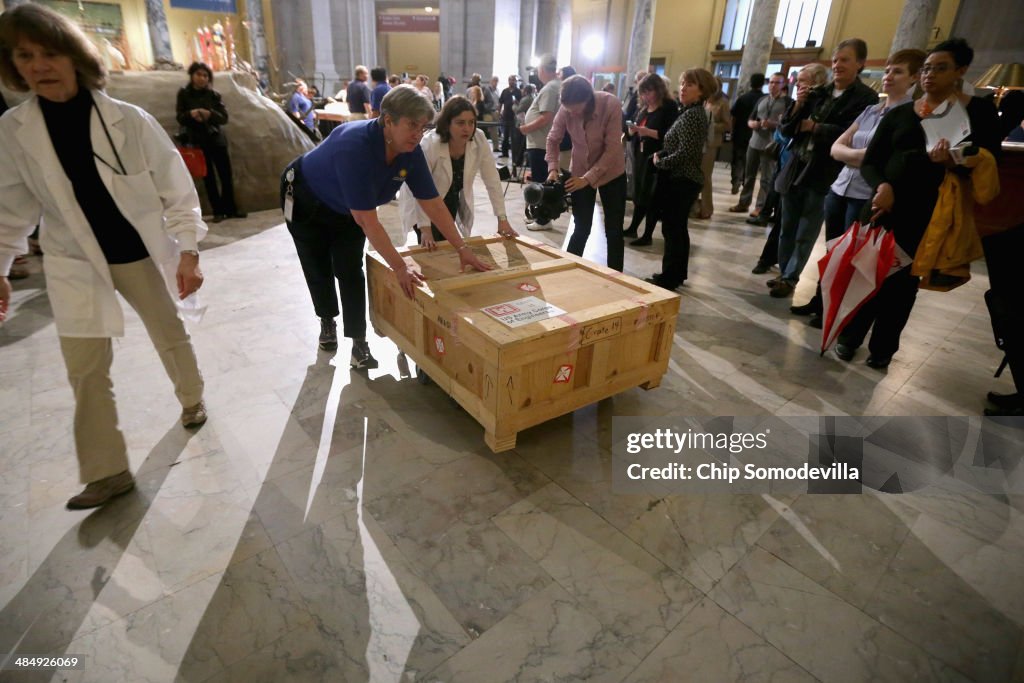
[523, 311]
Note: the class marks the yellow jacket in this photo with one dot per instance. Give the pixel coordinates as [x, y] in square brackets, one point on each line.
[951, 242]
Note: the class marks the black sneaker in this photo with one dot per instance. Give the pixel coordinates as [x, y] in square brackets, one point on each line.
[844, 352]
[361, 357]
[760, 268]
[328, 334]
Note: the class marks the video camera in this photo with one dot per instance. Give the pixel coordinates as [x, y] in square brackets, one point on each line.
[547, 201]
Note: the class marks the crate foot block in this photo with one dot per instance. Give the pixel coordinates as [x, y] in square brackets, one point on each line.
[505, 442]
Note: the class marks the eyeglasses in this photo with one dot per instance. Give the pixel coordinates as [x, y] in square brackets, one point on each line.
[936, 68]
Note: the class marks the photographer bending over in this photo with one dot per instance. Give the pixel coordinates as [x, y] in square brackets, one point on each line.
[594, 122]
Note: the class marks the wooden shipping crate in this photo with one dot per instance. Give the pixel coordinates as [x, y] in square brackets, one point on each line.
[492, 342]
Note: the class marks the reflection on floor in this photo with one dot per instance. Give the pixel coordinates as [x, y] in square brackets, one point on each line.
[328, 525]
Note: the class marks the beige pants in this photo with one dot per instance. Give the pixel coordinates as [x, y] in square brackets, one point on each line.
[357, 117]
[707, 165]
[98, 440]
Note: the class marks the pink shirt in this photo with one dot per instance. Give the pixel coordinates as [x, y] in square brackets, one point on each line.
[597, 152]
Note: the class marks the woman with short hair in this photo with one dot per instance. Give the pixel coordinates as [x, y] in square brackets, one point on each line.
[680, 176]
[330, 197]
[655, 115]
[201, 113]
[594, 123]
[118, 214]
[456, 152]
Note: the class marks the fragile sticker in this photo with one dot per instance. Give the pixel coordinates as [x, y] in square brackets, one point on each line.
[563, 375]
[439, 344]
[527, 287]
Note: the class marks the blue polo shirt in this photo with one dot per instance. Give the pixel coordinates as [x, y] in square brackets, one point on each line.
[377, 95]
[300, 104]
[347, 171]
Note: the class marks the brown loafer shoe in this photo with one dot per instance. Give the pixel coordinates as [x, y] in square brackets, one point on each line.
[782, 290]
[739, 208]
[194, 416]
[98, 493]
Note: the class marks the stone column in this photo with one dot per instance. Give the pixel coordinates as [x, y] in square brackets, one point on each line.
[257, 37]
[547, 27]
[758, 49]
[915, 25]
[159, 35]
[563, 43]
[639, 58]
[323, 47]
[527, 33]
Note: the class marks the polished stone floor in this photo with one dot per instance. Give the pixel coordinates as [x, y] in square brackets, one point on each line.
[327, 525]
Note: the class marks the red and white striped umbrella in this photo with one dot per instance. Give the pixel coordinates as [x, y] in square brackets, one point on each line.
[851, 272]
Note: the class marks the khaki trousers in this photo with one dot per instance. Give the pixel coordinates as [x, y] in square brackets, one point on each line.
[99, 444]
[707, 165]
[357, 117]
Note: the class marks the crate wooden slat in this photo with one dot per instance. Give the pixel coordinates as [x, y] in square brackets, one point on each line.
[616, 332]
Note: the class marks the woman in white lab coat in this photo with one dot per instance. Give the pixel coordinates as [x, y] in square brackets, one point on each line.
[456, 153]
[118, 213]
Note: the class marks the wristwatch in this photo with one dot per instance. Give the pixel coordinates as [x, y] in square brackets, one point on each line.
[193, 252]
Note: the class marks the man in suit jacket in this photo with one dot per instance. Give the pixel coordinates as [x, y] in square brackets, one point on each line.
[815, 120]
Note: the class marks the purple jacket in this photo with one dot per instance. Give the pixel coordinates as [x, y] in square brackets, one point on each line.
[597, 152]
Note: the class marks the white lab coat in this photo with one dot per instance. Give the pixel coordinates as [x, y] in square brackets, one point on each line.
[156, 195]
[479, 160]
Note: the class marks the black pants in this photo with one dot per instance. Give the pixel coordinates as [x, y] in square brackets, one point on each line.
[673, 199]
[739, 160]
[888, 311]
[770, 253]
[1002, 254]
[330, 245]
[507, 125]
[613, 200]
[221, 200]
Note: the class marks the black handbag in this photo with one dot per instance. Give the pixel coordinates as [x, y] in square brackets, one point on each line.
[790, 173]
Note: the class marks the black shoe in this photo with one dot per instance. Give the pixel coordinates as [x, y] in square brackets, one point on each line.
[1004, 401]
[844, 352]
[1005, 412]
[219, 218]
[878, 362]
[735, 188]
[642, 242]
[809, 308]
[782, 290]
[361, 357]
[328, 334]
[815, 322]
[760, 268]
[239, 214]
[757, 220]
[655, 280]
[631, 232]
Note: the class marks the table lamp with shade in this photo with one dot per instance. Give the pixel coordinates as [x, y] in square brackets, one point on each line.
[1002, 77]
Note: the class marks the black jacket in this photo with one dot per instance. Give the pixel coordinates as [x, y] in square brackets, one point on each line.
[205, 133]
[833, 116]
[741, 110]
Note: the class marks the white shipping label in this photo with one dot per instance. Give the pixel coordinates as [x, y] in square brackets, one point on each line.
[523, 311]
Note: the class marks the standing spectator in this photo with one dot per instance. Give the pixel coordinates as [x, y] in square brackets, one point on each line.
[422, 85]
[330, 197]
[760, 157]
[741, 110]
[518, 139]
[201, 112]
[905, 176]
[850, 191]
[490, 109]
[594, 123]
[120, 216]
[380, 88]
[475, 95]
[300, 106]
[438, 95]
[358, 95]
[814, 121]
[508, 99]
[456, 152]
[680, 177]
[720, 120]
[654, 118]
[539, 118]
[394, 80]
[633, 99]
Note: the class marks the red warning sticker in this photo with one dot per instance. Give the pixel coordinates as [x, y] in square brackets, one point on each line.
[439, 344]
[527, 287]
[563, 375]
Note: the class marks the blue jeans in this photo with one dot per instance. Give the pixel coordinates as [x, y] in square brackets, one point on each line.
[840, 213]
[613, 200]
[802, 213]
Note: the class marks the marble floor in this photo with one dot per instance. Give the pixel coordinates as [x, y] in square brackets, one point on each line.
[328, 525]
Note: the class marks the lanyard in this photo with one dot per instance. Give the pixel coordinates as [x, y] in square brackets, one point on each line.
[106, 132]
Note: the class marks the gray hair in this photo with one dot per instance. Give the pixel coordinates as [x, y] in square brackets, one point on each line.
[548, 62]
[819, 74]
[405, 102]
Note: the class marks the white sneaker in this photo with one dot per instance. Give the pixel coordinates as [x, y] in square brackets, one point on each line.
[537, 227]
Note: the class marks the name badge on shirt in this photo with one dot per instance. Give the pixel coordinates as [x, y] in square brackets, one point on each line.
[289, 195]
[400, 178]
